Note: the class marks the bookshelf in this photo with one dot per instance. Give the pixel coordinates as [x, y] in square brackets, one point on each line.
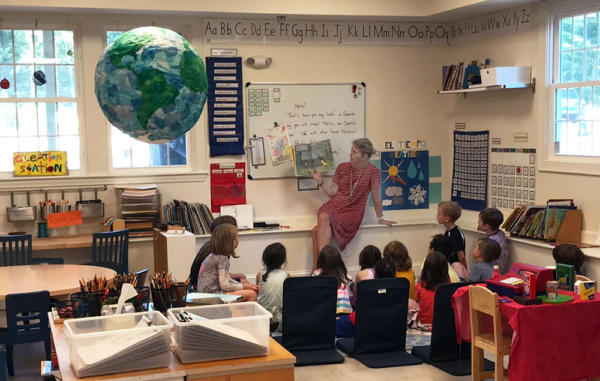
[480, 89]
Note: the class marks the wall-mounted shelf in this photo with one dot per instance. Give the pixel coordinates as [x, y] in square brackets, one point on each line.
[491, 88]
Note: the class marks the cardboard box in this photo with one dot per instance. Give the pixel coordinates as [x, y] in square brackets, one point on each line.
[585, 289]
[511, 76]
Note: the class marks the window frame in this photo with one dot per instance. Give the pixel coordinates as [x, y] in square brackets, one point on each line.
[79, 78]
[553, 162]
[151, 170]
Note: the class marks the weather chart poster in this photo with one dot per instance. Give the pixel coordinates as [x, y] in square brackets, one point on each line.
[405, 180]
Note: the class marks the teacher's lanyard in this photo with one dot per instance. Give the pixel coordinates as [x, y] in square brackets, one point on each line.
[357, 180]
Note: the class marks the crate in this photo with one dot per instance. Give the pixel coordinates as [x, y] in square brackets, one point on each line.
[229, 331]
[21, 213]
[118, 343]
[506, 76]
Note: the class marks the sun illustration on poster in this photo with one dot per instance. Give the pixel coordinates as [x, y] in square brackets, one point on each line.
[393, 172]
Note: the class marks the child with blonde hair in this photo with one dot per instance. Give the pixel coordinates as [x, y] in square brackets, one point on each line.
[214, 276]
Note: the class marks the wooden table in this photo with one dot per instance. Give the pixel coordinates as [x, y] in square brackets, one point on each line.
[57, 279]
[277, 365]
[62, 242]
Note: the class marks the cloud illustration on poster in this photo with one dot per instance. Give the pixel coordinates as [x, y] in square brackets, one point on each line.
[393, 191]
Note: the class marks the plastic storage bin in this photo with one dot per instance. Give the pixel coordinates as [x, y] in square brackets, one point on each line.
[226, 331]
[118, 343]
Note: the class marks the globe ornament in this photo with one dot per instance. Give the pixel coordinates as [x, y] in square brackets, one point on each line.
[151, 84]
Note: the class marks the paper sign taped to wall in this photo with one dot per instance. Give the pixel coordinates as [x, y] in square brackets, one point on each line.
[47, 163]
[57, 220]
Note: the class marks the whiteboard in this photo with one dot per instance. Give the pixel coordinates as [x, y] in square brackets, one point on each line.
[310, 113]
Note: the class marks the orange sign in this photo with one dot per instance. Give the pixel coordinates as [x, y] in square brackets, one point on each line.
[56, 220]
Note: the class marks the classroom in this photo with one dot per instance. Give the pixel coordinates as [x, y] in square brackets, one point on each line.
[395, 50]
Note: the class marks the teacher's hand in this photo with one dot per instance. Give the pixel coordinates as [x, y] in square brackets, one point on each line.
[316, 175]
[387, 222]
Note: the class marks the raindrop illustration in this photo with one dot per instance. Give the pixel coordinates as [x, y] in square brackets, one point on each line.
[412, 171]
[421, 176]
[419, 164]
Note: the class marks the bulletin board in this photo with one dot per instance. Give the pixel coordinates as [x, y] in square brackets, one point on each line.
[300, 113]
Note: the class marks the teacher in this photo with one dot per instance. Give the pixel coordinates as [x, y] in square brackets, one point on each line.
[348, 192]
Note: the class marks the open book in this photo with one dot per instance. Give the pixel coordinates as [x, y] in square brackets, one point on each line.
[316, 155]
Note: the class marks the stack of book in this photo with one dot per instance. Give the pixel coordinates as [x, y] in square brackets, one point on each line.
[139, 207]
[453, 76]
[195, 217]
[546, 221]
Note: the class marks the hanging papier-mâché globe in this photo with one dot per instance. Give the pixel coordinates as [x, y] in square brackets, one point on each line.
[151, 84]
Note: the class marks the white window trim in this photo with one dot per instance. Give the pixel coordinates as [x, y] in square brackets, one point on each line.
[189, 167]
[79, 99]
[551, 162]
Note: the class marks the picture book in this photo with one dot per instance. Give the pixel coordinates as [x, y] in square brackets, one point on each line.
[565, 275]
[554, 218]
[317, 155]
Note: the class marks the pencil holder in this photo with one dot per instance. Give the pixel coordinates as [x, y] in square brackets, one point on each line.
[178, 294]
[86, 303]
[141, 300]
[160, 299]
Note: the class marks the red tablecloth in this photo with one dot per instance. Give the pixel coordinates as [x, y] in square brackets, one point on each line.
[551, 341]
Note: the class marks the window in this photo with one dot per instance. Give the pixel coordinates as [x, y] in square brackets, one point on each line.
[576, 85]
[128, 152]
[42, 116]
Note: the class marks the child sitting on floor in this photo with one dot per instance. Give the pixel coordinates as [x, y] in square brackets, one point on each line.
[214, 276]
[485, 252]
[330, 262]
[435, 272]
[366, 260]
[397, 253]
[270, 280]
[443, 244]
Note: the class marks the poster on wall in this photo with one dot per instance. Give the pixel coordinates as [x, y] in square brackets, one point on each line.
[47, 163]
[227, 185]
[470, 170]
[512, 178]
[405, 180]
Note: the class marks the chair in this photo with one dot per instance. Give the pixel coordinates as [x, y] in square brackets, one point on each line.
[141, 277]
[308, 318]
[380, 333]
[15, 250]
[111, 249]
[2, 363]
[444, 352]
[27, 322]
[47, 261]
[485, 302]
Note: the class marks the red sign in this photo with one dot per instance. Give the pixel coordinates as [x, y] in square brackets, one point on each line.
[227, 185]
[56, 220]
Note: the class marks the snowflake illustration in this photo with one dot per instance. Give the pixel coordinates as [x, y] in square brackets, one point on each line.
[417, 195]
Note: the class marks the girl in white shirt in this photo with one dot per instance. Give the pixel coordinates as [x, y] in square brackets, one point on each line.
[270, 280]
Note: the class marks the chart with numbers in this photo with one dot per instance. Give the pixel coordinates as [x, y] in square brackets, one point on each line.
[512, 177]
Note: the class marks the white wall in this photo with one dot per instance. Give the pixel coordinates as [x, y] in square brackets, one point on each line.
[401, 104]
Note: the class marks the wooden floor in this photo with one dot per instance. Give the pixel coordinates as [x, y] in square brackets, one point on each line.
[352, 370]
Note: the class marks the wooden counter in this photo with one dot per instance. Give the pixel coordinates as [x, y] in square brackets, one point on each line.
[277, 365]
[64, 242]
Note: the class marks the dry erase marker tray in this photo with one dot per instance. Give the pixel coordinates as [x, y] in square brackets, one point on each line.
[219, 332]
[118, 343]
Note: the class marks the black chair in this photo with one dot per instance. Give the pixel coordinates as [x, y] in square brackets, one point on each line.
[2, 363]
[111, 249]
[47, 261]
[308, 318]
[15, 250]
[444, 352]
[141, 277]
[27, 322]
[380, 333]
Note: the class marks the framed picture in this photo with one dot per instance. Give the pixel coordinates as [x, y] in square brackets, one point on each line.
[307, 184]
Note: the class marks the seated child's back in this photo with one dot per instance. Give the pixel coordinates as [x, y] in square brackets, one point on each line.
[435, 272]
[271, 281]
[330, 263]
[397, 253]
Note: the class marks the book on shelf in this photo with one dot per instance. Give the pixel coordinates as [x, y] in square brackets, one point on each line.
[195, 217]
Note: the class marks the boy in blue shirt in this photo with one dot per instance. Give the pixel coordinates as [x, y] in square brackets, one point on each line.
[484, 253]
[489, 222]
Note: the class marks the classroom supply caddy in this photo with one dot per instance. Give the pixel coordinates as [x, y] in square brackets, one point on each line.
[118, 343]
[219, 332]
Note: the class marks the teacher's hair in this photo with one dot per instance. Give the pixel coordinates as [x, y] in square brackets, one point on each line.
[365, 146]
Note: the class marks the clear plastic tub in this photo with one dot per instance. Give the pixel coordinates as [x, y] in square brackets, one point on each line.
[118, 343]
[221, 332]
